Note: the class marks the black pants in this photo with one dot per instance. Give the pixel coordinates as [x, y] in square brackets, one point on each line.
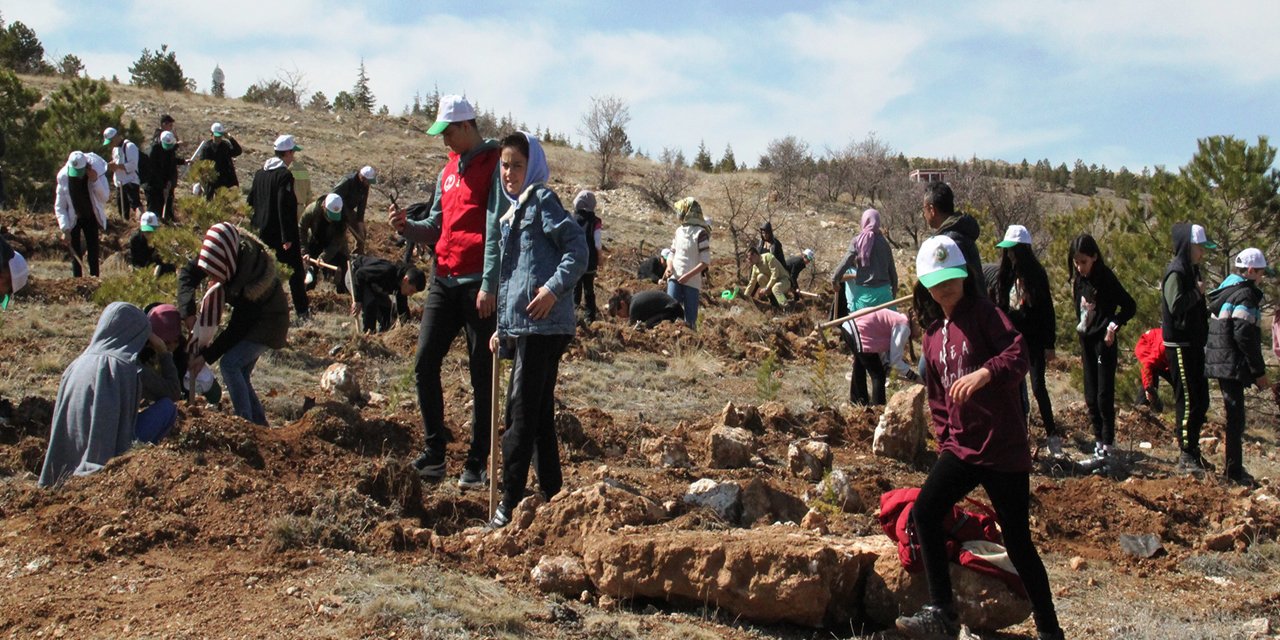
[2, 201]
[586, 288]
[298, 280]
[1010, 493]
[339, 260]
[128, 197]
[1233, 406]
[376, 313]
[160, 202]
[447, 311]
[1041, 390]
[531, 418]
[865, 364]
[1099, 362]
[84, 243]
[1190, 392]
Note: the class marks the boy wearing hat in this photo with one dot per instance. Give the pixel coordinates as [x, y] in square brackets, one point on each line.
[584, 212]
[324, 238]
[80, 204]
[219, 149]
[164, 175]
[1234, 352]
[124, 172]
[797, 264]
[141, 253]
[768, 277]
[13, 273]
[1185, 323]
[275, 217]
[354, 190]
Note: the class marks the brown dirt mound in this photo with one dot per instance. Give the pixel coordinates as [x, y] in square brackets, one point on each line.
[59, 290]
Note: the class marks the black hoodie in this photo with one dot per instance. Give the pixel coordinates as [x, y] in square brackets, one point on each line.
[963, 228]
[1183, 314]
[1234, 349]
[773, 246]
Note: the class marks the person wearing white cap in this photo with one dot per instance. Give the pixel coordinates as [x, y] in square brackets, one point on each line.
[163, 177]
[141, 253]
[324, 238]
[354, 190]
[80, 205]
[124, 172]
[1184, 319]
[13, 273]
[974, 361]
[1022, 291]
[464, 292]
[796, 265]
[275, 217]
[220, 149]
[1233, 355]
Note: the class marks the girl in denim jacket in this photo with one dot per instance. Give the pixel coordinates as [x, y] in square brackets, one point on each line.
[543, 253]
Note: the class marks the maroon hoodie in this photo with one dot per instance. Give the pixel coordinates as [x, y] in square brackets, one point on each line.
[989, 429]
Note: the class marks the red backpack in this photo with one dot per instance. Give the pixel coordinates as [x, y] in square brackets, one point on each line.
[961, 526]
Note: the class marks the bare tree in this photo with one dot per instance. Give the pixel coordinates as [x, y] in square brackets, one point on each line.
[746, 202]
[901, 214]
[667, 181]
[1003, 202]
[294, 79]
[605, 127]
[872, 167]
[788, 158]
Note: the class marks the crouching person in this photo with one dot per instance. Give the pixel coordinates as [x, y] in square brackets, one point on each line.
[95, 417]
[372, 282]
[241, 273]
[769, 278]
[543, 253]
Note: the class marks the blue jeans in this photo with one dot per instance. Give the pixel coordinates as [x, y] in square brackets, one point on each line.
[155, 421]
[688, 298]
[237, 369]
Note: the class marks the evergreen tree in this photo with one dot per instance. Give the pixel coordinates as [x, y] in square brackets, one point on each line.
[70, 66]
[21, 50]
[1082, 180]
[26, 174]
[1061, 177]
[160, 70]
[344, 102]
[319, 102]
[702, 161]
[363, 96]
[728, 164]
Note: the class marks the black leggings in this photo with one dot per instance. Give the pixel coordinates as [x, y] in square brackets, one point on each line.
[83, 239]
[586, 288]
[1041, 391]
[865, 364]
[1099, 362]
[1233, 406]
[531, 418]
[1010, 493]
[1191, 393]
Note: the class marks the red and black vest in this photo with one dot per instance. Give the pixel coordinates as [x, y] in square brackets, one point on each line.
[464, 200]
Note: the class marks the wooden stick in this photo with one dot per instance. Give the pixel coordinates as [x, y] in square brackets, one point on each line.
[862, 312]
[319, 263]
[494, 410]
[808, 294]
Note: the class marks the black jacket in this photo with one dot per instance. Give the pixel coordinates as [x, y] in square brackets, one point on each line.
[259, 309]
[1184, 315]
[963, 228]
[651, 269]
[1112, 303]
[221, 152]
[773, 246]
[654, 307]
[795, 265]
[275, 206]
[355, 197]
[375, 279]
[164, 166]
[1234, 349]
[1035, 318]
[588, 221]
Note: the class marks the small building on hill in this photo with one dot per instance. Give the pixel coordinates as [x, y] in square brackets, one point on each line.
[929, 175]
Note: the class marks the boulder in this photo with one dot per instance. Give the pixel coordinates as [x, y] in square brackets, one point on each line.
[983, 602]
[666, 451]
[729, 447]
[904, 425]
[570, 516]
[837, 489]
[809, 459]
[767, 576]
[722, 498]
[745, 418]
[815, 520]
[563, 574]
[340, 381]
[762, 501]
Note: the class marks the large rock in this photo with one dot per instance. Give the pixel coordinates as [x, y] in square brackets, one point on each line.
[762, 501]
[729, 447]
[983, 602]
[722, 498]
[666, 451]
[339, 381]
[745, 418]
[766, 576]
[564, 575]
[569, 517]
[809, 459]
[837, 489]
[904, 425]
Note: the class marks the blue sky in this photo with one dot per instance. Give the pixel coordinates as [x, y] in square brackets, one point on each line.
[1131, 83]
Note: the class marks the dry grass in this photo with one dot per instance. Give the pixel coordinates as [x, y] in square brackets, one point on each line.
[442, 604]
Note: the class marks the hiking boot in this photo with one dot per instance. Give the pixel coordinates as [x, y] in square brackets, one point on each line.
[1054, 444]
[930, 623]
[501, 517]
[429, 467]
[1193, 464]
[472, 479]
[1243, 479]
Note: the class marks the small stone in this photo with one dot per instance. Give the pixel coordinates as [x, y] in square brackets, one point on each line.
[1257, 628]
[1079, 564]
[584, 597]
[291, 591]
[815, 520]
[608, 603]
[722, 498]
[251, 580]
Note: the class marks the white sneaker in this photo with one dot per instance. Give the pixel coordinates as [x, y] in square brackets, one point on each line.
[1054, 443]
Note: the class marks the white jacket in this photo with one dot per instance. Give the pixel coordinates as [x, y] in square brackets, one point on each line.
[99, 192]
[129, 173]
[690, 247]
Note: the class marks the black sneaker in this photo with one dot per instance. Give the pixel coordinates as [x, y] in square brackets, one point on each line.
[472, 479]
[428, 467]
[1243, 479]
[930, 623]
[501, 518]
[1193, 464]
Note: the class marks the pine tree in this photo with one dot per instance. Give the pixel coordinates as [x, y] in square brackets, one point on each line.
[702, 161]
[728, 164]
[361, 92]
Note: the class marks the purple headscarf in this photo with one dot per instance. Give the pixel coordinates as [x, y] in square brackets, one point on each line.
[865, 241]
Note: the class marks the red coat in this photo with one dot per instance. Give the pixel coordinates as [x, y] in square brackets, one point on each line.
[1151, 357]
[464, 200]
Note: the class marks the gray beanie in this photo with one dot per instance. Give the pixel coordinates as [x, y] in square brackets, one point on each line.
[585, 201]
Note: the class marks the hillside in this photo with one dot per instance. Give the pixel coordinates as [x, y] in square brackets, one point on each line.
[317, 527]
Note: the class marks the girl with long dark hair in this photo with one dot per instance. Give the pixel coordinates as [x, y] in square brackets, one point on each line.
[1023, 293]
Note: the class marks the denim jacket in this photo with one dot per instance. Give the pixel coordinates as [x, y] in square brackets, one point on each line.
[542, 245]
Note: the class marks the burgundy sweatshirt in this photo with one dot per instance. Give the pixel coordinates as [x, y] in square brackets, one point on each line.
[989, 429]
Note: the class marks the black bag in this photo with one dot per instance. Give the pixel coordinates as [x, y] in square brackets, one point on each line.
[144, 166]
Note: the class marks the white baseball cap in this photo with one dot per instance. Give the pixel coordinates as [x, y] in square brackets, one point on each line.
[333, 207]
[369, 174]
[108, 134]
[1251, 259]
[217, 129]
[168, 139]
[1016, 234]
[1198, 237]
[76, 163]
[287, 143]
[939, 260]
[148, 221]
[452, 109]
[808, 254]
